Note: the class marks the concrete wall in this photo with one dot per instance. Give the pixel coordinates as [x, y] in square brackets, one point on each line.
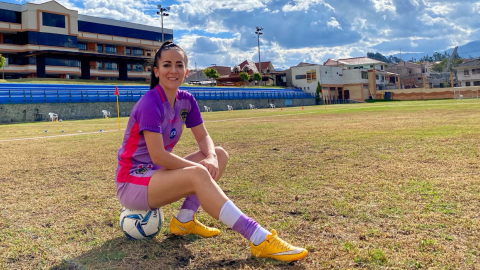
[431, 93]
[70, 111]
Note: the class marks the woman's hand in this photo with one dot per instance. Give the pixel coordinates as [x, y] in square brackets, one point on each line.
[211, 163]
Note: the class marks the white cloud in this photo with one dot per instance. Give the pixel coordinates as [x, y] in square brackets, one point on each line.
[384, 5]
[208, 6]
[441, 10]
[304, 5]
[333, 23]
[359, 24]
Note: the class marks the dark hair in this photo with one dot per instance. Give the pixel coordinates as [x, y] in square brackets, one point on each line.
[165, 47]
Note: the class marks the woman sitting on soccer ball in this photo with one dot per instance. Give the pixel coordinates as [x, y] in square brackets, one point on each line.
[150, 176]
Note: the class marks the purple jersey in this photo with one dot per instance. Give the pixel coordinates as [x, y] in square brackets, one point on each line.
[154, 113]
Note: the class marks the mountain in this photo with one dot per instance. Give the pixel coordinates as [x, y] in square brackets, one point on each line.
[465, 51]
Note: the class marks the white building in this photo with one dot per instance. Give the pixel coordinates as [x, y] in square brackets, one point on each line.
[468, 73]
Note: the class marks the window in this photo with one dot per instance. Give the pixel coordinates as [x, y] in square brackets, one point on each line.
[62, 62]
[111, 66]
[53, 20]
[381, 67]
[120, 31]
[48, 39]
[110, 49]
[137, 67]
[100, 65]
[128, 50]
[82, 46]
[99, 48]
[137, 51]
[475, 71]
[466, 72]
[476, 83]
[364, 75]
[467, 84]
[10, 16]
[376, 77]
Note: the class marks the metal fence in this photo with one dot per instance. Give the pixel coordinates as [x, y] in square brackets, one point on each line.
[35, 93]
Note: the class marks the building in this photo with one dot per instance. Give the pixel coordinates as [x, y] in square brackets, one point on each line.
[198, 77]
[249, 67]
[411, 74]
[353, 78]
[356, 63]
[49, 40]
[468, 73]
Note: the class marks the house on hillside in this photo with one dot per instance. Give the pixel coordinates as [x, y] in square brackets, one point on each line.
[197, 76]
[411, 74]
[250, 67]
[356, 72]
[468, 73]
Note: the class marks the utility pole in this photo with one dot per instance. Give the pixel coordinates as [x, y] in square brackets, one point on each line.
[162, 13]
[259, 33]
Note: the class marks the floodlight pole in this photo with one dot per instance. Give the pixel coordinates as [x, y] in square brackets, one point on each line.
[259, 33]
[162, 13]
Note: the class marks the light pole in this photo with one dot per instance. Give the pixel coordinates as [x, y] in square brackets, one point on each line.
[162, 13]
[258, 32]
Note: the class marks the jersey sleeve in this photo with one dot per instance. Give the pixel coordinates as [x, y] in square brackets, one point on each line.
[194, 118]
[148, 115]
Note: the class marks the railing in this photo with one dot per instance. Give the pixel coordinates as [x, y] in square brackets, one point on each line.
[35, 93]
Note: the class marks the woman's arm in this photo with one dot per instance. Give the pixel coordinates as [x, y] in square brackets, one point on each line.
[162, 157]
[207, 147]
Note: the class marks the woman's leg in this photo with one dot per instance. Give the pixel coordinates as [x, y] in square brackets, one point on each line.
[191, 203]
[167, 186]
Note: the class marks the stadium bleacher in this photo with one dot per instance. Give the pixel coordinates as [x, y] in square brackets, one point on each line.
[15, 93]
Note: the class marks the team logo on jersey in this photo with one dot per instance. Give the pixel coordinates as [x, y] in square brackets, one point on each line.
[173, 133]
[141, 169]
[183, 115]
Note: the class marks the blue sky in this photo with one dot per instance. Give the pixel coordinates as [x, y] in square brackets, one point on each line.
[222, 32]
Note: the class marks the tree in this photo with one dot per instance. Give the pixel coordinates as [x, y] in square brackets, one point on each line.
[211, 73]
[244, 76]
[2, 64]
[440, 67]
[257, 77]
[317, 96]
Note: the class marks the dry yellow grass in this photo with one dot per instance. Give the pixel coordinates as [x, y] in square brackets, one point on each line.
[383, 185]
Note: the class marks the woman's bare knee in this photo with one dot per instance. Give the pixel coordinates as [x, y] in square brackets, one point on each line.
[221, 153]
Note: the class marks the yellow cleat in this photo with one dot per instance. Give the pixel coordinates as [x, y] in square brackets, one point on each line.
[192, 227]
[275, 248]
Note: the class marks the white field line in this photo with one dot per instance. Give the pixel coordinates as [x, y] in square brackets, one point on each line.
[56, 136]
[339, 107]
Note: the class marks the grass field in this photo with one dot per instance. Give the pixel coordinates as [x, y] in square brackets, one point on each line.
[374, 186]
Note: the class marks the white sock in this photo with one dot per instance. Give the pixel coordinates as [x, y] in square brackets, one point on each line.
[229, 214]
[185, 215]
[259, 236]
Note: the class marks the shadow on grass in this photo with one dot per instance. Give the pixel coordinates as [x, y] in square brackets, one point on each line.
[168, 253]
[380, 100]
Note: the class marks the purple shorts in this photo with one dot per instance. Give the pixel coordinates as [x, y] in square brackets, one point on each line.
[132, 192]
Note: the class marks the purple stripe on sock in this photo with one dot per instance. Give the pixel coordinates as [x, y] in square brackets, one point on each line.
[245, 226]
[191, 203]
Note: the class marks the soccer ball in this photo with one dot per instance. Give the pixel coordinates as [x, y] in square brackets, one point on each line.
[141, 224]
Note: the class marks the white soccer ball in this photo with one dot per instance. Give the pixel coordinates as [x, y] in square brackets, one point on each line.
[141, 224]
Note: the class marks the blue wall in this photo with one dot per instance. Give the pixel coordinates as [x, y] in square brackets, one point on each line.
[66, 93]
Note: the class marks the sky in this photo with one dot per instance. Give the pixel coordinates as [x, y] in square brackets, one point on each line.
[222, 32]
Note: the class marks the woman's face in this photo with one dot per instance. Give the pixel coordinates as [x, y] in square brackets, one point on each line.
[171, 69]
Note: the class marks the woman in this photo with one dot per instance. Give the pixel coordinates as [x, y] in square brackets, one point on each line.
[150, 176]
